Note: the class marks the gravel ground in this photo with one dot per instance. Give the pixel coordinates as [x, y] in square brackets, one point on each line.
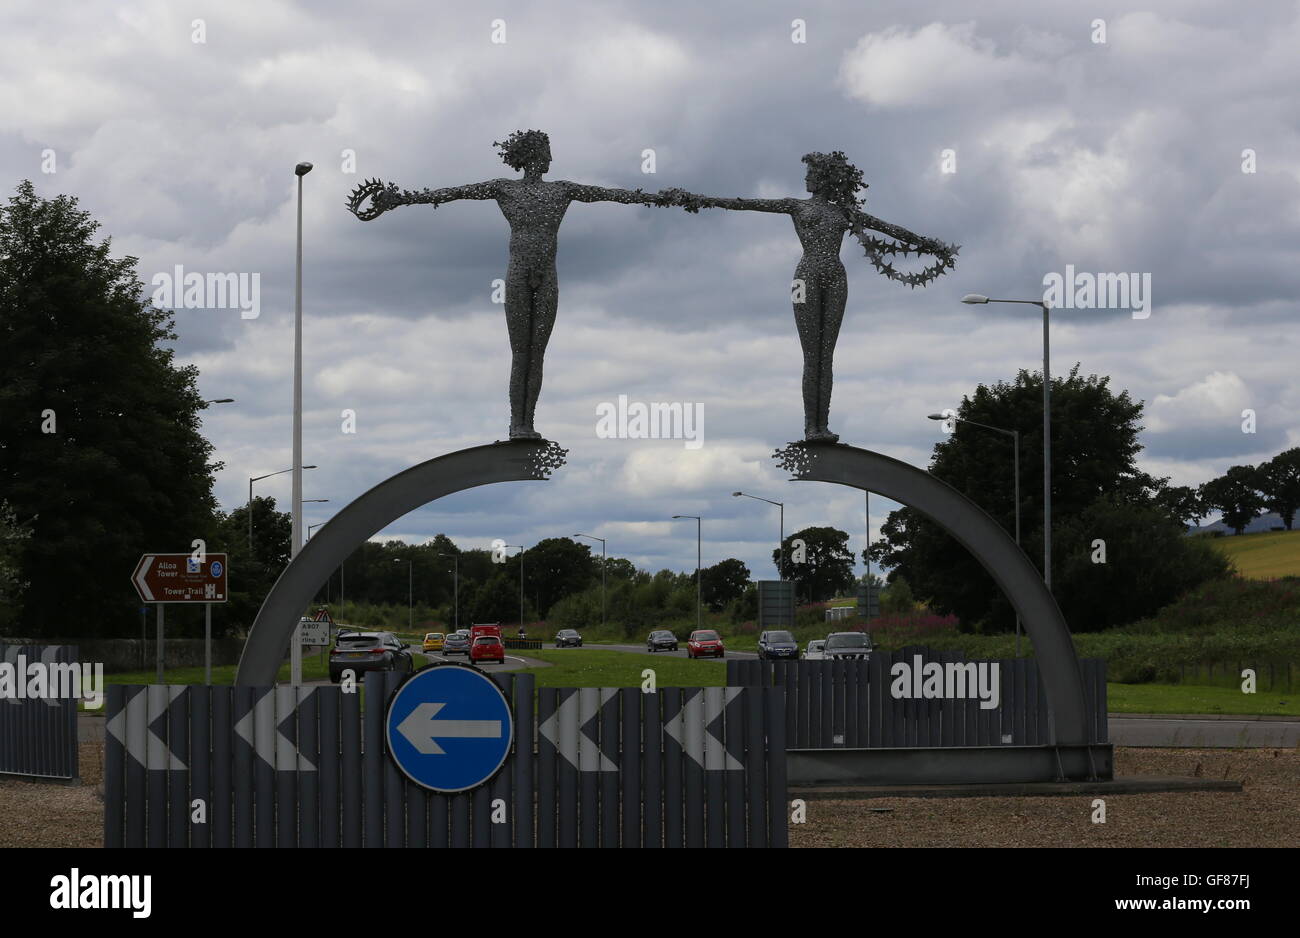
[1264, 815]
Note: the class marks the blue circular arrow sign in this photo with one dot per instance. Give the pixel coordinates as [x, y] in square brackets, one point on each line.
[449, 728]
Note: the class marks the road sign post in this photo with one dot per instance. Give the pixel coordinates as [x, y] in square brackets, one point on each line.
[181, 578]
[449, 728]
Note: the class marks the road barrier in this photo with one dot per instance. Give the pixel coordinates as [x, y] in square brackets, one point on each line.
[849, 704]
[523, 644]
[307, 766]
[38, 735]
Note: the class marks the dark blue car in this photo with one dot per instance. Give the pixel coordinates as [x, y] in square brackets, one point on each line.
[773, 645]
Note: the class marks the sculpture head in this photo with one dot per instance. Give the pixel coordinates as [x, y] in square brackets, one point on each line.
[834, 178]
[526, 150]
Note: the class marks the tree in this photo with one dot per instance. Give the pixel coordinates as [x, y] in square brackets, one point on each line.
[1235, 495]
[1094, 449]
[1182, 503]
[1280, 484]
[897, 598]
[12, 536]
[252, 571]
[723, 582]
[555, 568]
[99, 428]
[822, 568]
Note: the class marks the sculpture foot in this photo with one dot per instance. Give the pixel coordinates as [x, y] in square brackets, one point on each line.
[821, 436]
[524, 433]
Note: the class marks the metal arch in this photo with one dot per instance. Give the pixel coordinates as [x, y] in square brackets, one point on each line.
[1058, 662]
[512, 461]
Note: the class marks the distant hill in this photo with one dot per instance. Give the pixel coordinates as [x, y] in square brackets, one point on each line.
[1264, 555]
[1265, 522]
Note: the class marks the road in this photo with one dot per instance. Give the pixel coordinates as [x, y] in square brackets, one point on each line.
[1190, 733]
[679, 653]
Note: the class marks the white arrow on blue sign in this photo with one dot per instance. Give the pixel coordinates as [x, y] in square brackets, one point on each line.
[449, 728]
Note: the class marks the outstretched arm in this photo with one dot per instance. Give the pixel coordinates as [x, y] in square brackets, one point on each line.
[384, 197]
[693, 202]
[905, 242]
[580, 192]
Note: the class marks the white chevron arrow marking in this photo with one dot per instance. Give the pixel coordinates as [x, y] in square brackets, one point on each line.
[423, 732]
[130, 727]
[570, 713]
[139, 578]
[260, 728]
[699, 749]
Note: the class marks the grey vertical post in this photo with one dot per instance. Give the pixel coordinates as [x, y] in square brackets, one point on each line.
[264, 772]
[351, 803]
[1031, 705]
[547, 802]
[629, 766]
[137, 774]
[589, 770]
[158, 642]
[567, 766]
[114, 771]
[394, 802]
[777, 795]
[803, 702]
[327, 767]
[502, 785]
[158, 760]
[200, 764]
[207, 643]
[1024, 700]
[286, 767]
[715, 765]
[242, 700]
[786, 675]
[653, 734]
[1103, 722]
[609, 781]
[693, 737]
[828, 702]
[839, 703]
[877, 677]
[309, 766]
[372, 761]
[481, 817]
[524, 789]
[897, 714]
[756, 767]
[672, 704]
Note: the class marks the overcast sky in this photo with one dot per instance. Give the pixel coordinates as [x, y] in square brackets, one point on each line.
[1117, 156]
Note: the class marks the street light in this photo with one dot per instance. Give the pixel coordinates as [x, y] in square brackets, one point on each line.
[295, 545]
[602, 574]
[221, 400]
[311, 526]
[455, 585]
[250, 499]
[521, 581]
[410, 592]
[979, 299]
[699, 590]
[1015, 474]
[780, 566]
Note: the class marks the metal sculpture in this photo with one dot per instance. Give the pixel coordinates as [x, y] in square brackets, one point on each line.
[534, 208]
[820, 288]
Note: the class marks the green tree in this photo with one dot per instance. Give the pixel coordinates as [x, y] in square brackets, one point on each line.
[1094, 449]
[1235, 495]
[253, 571]
[99, 428]
[554, 568]
[822, 568]
[897, 599]
[1182, 503]
[12, 536]
[723, 582]
[1280, 484]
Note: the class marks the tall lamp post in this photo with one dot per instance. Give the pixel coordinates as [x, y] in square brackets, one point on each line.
[699, 590]
[295, 545]
[1015, 475]
[250, 499]
[977, 299]
[410, 592]
[780, 566]
[602, 575]
[455, 585]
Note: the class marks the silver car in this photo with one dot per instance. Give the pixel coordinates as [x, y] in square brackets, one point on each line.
[816, 650]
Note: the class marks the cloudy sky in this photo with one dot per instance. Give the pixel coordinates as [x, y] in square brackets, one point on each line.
[178, 126]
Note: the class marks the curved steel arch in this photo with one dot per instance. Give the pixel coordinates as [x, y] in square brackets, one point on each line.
[512, 461]
[1058, 662]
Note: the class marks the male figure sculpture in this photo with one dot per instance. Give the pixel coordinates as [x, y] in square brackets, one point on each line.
[534, 208]
[820, 288]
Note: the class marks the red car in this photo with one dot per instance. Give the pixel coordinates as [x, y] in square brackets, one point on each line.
[705, 644]
[487, 647]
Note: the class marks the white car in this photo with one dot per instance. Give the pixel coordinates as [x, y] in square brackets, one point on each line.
[816, 650]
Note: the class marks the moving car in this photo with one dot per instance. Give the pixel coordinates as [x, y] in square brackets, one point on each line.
[816, 650]
[487, 647]
[368, 651]
[705, 643]
[661, 640]
[568, 638]
[433, 641]
[457, 643]
[848, 645]
[777, 644]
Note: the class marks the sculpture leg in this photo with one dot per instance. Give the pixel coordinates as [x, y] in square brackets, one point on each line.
[546, 301]
[811, 318]
[519, 325]
[834, 297]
